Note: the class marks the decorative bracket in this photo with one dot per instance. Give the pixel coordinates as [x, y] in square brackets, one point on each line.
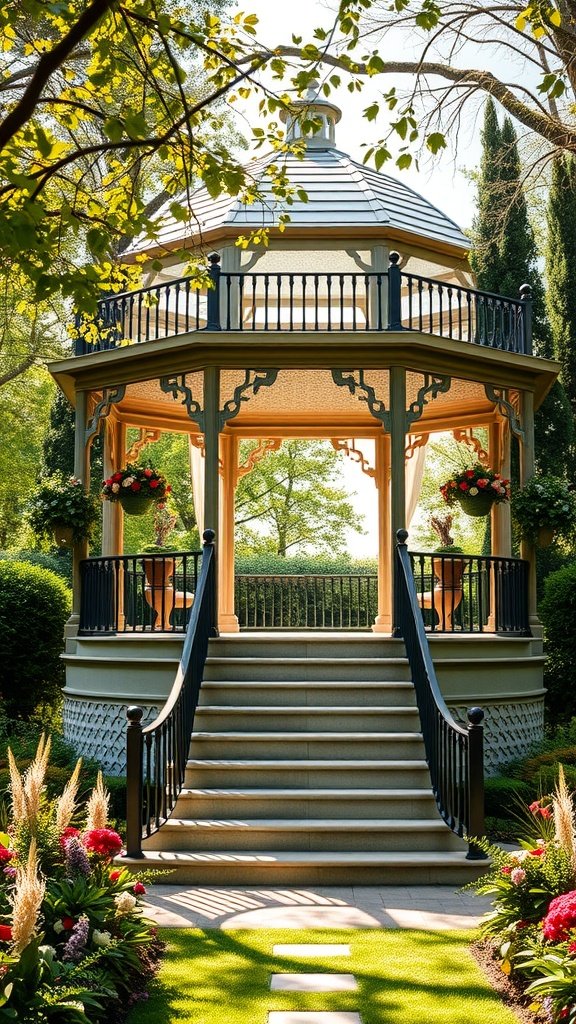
[354, 453]
[467, 437]
[253, 381]
[505, 408]
[176, 385]
[432, 387]
[265, 445]
[416, 441]
[110, 397]
[146, 437]
[356, 384]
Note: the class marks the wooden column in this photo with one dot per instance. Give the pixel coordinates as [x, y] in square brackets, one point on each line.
[82, 471]
[227, 620]
[383, 621]
[113, 459]
[212, 452]
[527, 550]
[397, 460]
[501, 529]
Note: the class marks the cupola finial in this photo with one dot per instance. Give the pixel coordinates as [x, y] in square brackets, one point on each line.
[313, 106]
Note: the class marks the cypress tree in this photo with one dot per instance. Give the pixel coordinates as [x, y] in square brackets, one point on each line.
[561, 269]
[58, 454]
[485, 257]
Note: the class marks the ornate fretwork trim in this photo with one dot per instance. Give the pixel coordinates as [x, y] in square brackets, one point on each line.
[467, 437]
[147, 435]
[110, 397]
[253, 381]
[176, 385]
[416, 441]
[198, 441]
[352, 452]
[432, 387]
[354, 381]
[265, 445]
[505, 408]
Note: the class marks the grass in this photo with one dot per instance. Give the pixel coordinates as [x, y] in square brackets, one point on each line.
[404, 977]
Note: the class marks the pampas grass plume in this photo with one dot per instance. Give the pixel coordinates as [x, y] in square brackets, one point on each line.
[564, 816]
[66, 803]
[26, 901]
[98, 804]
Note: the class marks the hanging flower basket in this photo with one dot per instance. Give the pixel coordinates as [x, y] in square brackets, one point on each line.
[476, 489]
[545, 536]
[137, 489]
[63, 535]
[544, 510]
[60, 509]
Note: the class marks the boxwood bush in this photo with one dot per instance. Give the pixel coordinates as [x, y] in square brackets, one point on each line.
[558, 614]
[34, 608]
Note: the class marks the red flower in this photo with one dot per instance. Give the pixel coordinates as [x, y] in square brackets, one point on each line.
[563, 1013]
[572, 947]
[470, 473]
[68, 923]
[561, 917]
[464, 486]
[506, 870]
[102, 841]
[68, 833]
[168, 488]
[147, 472]
[109, 482]
[116, 477]
[534, 807]
[544, 812]
[5, 933]
[136, 486]
[154, 484]
[139, 889]
[5, 854]
[523, 924]
[114, 875]
[538, 852]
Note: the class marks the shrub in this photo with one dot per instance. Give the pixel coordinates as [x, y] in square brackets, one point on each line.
[501, 794]
[559, 619]
[60, 563]
[34, 607]
[544, 502]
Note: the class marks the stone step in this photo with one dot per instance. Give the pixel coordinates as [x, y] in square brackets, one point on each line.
[328, 693]
[304, 644]
[315, 745]
[305, 803]
[429, 834]
[214, 718]
[307, 668]
[289, 867]
[308, 773]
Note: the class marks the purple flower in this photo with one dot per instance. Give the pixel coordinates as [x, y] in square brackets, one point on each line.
[10, 871]
[77, 862]
[76, 945]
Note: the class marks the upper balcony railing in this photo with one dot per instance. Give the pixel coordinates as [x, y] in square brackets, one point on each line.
[391, 300]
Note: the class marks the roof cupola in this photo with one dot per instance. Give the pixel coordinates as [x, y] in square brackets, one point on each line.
[314, 106]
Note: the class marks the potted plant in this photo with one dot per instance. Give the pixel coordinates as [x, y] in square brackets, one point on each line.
[544, 507]
[60, 508]
[137, 488]
[476, 489]
[448, 571]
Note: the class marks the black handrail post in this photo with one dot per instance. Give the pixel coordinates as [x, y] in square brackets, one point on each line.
[401, 538]
[526, 300]
[134, 781]
[213, 310]
[475, 782]
[394, 297]
[208, 538]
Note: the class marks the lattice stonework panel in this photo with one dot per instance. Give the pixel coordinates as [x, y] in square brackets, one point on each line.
[98, 729]
[509, 729]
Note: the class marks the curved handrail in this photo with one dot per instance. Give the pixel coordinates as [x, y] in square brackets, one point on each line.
[156, 756]
[454, 754]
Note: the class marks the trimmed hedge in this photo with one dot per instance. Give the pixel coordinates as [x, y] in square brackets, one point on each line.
[275, 565]
[558, 614]
[34, 607]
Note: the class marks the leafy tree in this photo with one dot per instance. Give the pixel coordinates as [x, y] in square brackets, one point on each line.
[561, 269]
[292, 493]
[58, 446]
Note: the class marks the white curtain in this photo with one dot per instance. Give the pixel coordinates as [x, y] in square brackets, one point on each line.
[197, 474]
[414, 473]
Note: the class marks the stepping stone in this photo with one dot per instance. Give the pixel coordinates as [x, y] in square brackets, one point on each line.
[313, 983]
[311, 949]
[314, 1017]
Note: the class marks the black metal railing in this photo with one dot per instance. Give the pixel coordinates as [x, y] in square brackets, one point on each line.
[306, 602]
[138, 593]
[472, 593]
[156, 756]
[390, 300]
[454, 754]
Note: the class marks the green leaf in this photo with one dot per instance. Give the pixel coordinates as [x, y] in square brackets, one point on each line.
[436, 141]
[114, 129]
[404, 161]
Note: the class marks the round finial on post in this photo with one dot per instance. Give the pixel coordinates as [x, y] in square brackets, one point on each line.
[394, 257]
[475, 716]
[208, 536]
[525, 291]
[401, 536]
[214, 258]
[134, 714]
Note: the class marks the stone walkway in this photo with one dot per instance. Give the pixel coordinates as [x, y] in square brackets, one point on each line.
[430, 907]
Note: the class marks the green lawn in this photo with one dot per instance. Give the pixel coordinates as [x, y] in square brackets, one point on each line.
[405, 977]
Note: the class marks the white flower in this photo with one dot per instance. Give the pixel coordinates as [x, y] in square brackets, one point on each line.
[518, 856]
[58, 927]
[473, 490]
[125, 902]
[101, 938]
[128, 481]
[115, 488]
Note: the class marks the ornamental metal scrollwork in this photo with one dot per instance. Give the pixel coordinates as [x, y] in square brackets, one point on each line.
[364, 393]
[176, 385]
[110, 397]
[253, 381]
[505, 408]
[432, 387]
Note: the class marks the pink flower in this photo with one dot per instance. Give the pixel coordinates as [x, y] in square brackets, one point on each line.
[506, 870]
[147, 472]
[102, 841]
[517, 876]
[139, 889]
[561, 917]
[67, 834]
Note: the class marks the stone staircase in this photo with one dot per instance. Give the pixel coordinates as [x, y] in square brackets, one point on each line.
[307, 767]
